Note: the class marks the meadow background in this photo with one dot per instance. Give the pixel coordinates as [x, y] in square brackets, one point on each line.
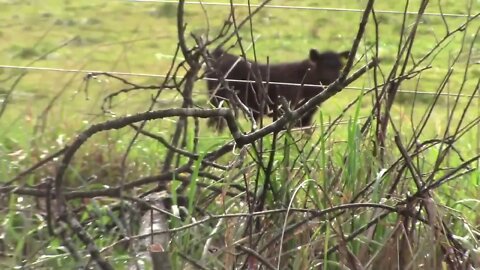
[42, 110]
[140, 38]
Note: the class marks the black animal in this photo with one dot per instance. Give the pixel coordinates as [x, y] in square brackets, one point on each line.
[319, 69]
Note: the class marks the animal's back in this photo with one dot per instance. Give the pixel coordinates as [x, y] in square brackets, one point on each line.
[224, 62]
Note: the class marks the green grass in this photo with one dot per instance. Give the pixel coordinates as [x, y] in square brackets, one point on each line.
[48, 108]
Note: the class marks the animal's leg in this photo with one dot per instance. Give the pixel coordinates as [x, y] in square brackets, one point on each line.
[216, 100]
[306, 119]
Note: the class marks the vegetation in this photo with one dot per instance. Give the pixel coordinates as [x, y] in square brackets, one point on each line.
[368, 187]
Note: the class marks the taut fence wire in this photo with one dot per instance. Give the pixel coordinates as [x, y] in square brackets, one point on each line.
[330, 9]
[135, 74]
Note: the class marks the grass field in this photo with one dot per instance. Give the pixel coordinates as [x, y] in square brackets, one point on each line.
[139, 37]
[43, 110]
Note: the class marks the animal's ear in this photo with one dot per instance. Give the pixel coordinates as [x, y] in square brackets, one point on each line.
[314, 55]
[344, 54]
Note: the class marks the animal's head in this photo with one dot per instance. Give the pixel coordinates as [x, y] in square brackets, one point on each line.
[328, 65]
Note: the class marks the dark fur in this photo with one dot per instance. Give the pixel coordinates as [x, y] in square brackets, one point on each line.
[319, 69]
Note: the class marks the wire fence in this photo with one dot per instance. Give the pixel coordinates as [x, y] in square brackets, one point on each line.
[330, 9]
[132, 74]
